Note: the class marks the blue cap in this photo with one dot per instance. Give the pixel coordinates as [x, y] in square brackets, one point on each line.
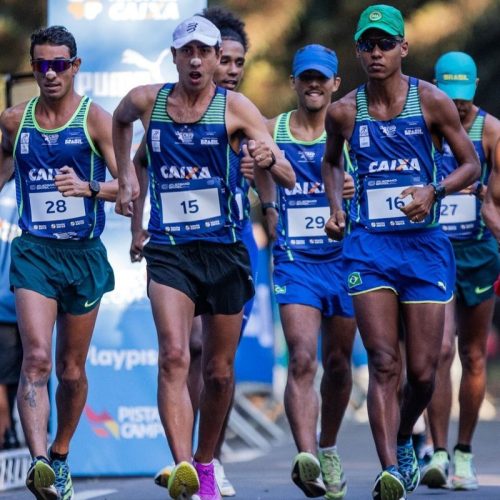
[315, 57]
[456, 75]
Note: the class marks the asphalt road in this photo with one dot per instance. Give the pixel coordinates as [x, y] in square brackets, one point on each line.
[268, 477]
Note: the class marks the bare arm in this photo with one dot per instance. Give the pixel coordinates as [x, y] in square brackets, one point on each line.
[491, 205]
[10, 120]
[135, 105]
[67, 181]
[339, 117]
[139, 234]
[242, 115]
[443, 120]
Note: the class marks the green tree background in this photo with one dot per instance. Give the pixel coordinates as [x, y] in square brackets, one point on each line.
[279, 27]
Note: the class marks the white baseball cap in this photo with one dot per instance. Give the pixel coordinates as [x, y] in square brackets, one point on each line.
[196, 28]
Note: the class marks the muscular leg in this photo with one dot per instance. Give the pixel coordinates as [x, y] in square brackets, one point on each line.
[424, 335]
[336, 384]
[473, 327]
[36, 316]
[195, 378]
[301, 325]
[220, 340]
[74, 333]
[377, 318]
[173, 313]
[439, 408]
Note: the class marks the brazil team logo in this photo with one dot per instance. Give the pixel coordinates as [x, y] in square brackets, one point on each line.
[354, 279]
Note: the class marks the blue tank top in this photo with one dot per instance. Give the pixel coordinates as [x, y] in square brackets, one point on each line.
[38, 155]
[8, 231]
[193, 176]
[461, 213]
[388, 156]
[304, 209]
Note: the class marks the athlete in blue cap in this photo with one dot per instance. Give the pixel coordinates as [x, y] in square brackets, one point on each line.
[309, 281]
[470, 313]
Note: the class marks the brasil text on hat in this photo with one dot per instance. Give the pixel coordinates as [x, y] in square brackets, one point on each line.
[315, 57]
[382, 17]
[196, 28]
[456, 75]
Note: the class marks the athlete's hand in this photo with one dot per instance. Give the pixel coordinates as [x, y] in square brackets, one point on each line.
[139, 239]
[124, 205]
[261, 153]
[349, 190]
[271, 223]
[335, 225]
[69, 184]
[247, 164]
[420, 205]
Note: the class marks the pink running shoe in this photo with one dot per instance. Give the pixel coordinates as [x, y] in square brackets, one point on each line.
[208, 486]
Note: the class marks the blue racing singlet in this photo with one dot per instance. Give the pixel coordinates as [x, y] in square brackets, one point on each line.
[38, 155]
[304, 209]
[461, 213]
[193, 176]
[388, 156]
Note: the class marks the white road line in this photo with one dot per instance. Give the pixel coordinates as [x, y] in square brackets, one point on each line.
[86, 495]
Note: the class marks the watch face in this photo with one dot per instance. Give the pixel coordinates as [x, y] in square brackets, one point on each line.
[95, 187]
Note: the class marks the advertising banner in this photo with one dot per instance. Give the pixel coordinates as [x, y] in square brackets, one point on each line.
[122, 43]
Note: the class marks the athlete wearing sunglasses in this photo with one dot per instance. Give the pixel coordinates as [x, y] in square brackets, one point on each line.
[56, 65]
[395, 257]
[383, 43]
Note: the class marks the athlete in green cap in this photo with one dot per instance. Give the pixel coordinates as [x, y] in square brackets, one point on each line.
[399, 261]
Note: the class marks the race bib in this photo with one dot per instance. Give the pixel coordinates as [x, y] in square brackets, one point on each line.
[306, 218]
[384, 203]
[458, 216]
[192, 205]
[50, 206]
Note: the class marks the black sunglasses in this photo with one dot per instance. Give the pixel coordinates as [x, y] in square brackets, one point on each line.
[57, 65]
[384, 44]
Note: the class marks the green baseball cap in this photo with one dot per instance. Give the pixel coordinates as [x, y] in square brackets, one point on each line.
[382, 17]
[456, 75]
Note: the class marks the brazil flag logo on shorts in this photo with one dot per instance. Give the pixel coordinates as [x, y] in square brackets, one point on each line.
[354, 280]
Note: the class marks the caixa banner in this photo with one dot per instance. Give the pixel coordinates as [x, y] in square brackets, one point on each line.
[122, 44]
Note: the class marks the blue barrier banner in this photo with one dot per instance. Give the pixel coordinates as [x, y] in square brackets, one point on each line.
[255, 355]
[122, 43]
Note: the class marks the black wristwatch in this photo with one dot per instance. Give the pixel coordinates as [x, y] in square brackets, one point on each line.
[439, 190]
[271, 204]
[94, 187]
[273, 162]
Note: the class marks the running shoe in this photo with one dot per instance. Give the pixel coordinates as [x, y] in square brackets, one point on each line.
[40, 480]
[333, 475]
[435, 473]
[161, 477]
[464, 477]
[389, 485]
[306, 474]
[408, 465]
[208, 485]
[63, 482]
[183, 482]
[225, 487]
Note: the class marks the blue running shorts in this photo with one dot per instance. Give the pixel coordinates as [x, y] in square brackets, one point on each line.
[320, 285]
[419, 266]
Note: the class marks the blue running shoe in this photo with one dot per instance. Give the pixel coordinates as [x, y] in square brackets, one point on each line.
[389, 485]
[408, 465]
[63, 482]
